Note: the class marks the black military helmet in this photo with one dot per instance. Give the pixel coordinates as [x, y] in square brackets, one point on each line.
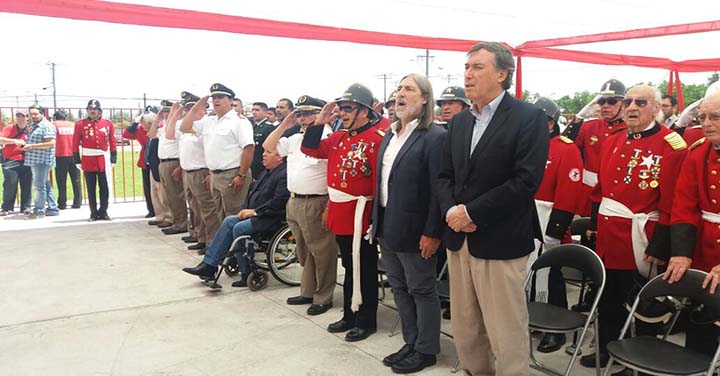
[549, 106]
[391, 99]
[93, 104]
[166, 105]
[453, 93]
[612, 88]
[188, 98]
[359, 94]
[308, 103]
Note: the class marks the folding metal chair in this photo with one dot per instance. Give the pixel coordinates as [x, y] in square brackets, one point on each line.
[657, 356]
[548, 318]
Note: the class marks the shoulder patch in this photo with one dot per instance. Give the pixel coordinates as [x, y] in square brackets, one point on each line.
[697, 143]
[566, 140]
[676, 141]
[381, 133]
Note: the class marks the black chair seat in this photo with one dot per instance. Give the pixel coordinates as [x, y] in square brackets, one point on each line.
[659, 356]
[550, 317]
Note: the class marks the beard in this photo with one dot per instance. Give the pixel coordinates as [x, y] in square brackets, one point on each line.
[410, 111]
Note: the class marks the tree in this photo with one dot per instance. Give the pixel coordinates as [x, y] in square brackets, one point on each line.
[691, 93]
[573, 104]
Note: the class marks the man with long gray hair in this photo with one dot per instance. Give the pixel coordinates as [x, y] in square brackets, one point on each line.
[407, 221]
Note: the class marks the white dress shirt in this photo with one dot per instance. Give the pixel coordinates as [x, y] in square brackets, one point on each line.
[391, 151]
[191, 151]
[224, 139]
[168, 149]
[305, 175]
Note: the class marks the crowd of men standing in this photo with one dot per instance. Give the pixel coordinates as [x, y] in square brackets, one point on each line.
[484, 186]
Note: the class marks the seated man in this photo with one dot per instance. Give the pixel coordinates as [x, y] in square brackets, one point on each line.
[264, 211]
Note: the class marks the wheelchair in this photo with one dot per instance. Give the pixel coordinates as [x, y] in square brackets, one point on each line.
[275, 252]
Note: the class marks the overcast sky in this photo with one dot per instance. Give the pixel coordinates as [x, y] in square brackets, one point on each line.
[111, 61]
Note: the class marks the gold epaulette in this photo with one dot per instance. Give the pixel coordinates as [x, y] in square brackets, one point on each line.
[697, 143]
[241, 116]
[380, 132]
[566, 140]
[676, 141]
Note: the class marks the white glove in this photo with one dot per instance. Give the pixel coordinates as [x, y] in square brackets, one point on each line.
[79, 166]
[551, 243]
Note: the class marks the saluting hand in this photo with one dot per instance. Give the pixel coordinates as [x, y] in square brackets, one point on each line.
[325, 114]
[289, 121]
[198, 109]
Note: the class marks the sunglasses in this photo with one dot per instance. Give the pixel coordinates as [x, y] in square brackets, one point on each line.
[715, 116]
[610, 101]
[639, 102]
[347, 109]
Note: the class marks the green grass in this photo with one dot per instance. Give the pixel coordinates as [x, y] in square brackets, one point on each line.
[126, 189]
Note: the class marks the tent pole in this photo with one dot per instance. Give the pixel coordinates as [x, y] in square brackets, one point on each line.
[518, 79]
[678, 85]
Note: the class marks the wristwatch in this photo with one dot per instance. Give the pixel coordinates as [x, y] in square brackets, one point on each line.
[241, 175]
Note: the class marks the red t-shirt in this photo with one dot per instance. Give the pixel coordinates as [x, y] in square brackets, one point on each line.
[64, 138]
[12, 151]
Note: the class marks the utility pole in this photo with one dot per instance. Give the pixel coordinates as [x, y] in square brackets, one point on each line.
[144, 100]
[385, 77]
[52, 69]
[427, 58]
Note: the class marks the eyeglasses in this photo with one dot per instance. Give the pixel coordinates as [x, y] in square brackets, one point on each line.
[347, 108]
[639, 102]
[610, 101]
[715, 116]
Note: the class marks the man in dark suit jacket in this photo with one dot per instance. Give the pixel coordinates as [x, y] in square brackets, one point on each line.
[493, 163]
[264, 212]
[407, 221]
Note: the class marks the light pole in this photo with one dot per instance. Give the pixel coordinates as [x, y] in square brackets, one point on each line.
[385, 77]
[52, 69]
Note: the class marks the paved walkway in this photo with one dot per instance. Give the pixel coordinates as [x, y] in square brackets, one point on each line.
[108, 298]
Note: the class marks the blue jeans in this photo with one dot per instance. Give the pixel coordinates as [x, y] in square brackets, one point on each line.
[43, 189]
[231, 228]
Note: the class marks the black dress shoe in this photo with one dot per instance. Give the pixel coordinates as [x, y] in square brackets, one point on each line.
[588, 361]
[202, 270]
[154, 222]
[201, 252]
[189, 239]
[398, 356]
[148, 215]
[93, 217]
[62, 207]
[173, 231]
[77, 206]
[318, 309]
[340, 326]
[103, 217]
[551, 342]
[163, 224]
[414, 362]
[358, 334]
[196, 247]
[242, 282]
[299, 300]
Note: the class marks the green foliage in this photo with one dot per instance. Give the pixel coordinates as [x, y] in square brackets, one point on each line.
[573, 104]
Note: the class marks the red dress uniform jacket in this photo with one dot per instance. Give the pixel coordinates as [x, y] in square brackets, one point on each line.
[590, 139]
[352, 157]
[698, 190]
[639, 171]
[561, 184]
[94, 134]
[140, 135]
[693, 134]
[12, 151]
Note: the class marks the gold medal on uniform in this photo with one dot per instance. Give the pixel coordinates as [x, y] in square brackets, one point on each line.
[654, 184]
[633, 163]
[643, 185]
[593, 140]
[343, 184]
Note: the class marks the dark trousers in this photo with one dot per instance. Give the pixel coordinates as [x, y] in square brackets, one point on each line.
[366, 316]
[13, 176]
[557, 294]
[92, 180]
[415, 292]
[146, 191]
[63, 167]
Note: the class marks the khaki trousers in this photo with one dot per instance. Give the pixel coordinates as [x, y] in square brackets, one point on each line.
[206, 219]
[316, 248]
[157, 193]
[489, 314]
[227, 201]
[174, 193]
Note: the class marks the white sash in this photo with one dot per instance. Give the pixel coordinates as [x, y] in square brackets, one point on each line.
[589, 178]
[108, 166]
[711, 217]
[360, 201]
[612, 208]
[544, 209]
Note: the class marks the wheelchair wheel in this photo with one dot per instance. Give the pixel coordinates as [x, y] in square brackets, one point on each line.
[282, 258]
[257, 280]
[231, 266]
